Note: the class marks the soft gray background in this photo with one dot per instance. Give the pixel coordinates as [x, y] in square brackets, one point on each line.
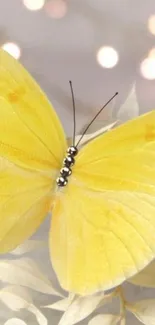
[55, 51]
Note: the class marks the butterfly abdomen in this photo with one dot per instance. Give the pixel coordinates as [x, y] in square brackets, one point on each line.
[68, 162]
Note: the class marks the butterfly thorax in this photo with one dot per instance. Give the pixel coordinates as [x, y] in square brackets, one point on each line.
[66, 170]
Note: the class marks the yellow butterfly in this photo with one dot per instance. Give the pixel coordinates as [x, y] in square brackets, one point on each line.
[103, 220]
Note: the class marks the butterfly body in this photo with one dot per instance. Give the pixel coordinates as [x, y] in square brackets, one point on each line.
[68, 162]
[103, 203]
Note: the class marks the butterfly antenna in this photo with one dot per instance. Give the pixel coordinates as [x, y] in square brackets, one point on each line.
[74, 117]
[96, 117]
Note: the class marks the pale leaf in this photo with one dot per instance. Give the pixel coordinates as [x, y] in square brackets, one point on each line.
[17, 298]
[130, 108]
[107, 319]
[145, 278]
[86, 138]
[25, 272]
[144, 310]
[62, 304]
[14, 321]
[80, 308]
[28, 246]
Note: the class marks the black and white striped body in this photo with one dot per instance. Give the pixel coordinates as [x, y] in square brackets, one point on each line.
[66, 170]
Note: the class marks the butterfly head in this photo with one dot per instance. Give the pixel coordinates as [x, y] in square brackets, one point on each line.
[72, 150]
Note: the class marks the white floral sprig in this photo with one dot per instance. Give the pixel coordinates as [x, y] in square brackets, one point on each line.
[25, 272]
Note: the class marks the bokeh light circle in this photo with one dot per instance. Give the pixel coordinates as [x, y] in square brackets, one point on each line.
[56, 8]
[152, 53]
[13, 49]
[107, 57]
[151, 24]
[147, 68]
[34, 4]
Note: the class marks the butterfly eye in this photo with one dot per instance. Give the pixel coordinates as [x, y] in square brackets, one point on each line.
[72, 151]
[65, 171]
[68, 161]
[62, 181]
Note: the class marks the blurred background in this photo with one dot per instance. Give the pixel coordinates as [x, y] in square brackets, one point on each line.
[103, 46]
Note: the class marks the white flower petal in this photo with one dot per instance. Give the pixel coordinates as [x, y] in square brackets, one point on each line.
[62, 304]
[15, 321]
[92, 136]
[39, 316]
[130, 108]
[80, 308]
[107, 319]
[28, 246]
[17, 298]
[144, 310]
[26, 272]
[145, 278]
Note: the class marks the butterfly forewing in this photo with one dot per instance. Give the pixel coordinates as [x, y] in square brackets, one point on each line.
[32, 147]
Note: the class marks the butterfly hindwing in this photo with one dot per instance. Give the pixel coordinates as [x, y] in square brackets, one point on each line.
[30, 132]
